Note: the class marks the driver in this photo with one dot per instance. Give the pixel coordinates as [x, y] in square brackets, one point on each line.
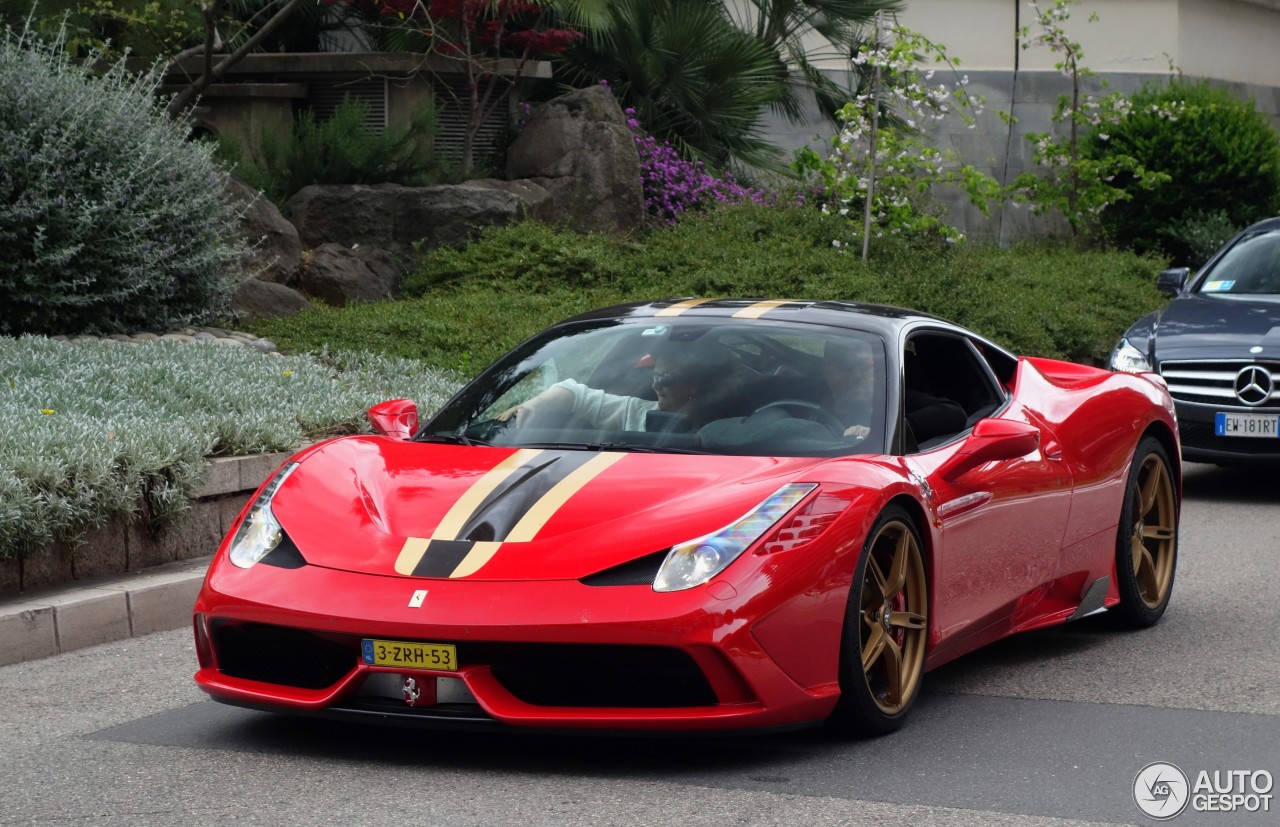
[690, 380]
[849, 370]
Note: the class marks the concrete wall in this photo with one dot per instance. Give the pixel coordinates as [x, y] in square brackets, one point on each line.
[1131, 43]
[262, 91]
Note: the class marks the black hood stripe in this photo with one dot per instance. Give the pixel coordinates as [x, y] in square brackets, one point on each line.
[521, 495]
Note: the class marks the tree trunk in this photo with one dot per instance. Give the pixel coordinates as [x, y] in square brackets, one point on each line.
[212, 73]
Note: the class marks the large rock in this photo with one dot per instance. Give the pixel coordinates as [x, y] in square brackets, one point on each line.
[579, 148]
[340, 275]
[256, 299]
[395, 218]
[276, 250]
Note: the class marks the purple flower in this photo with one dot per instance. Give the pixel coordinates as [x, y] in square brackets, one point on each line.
[674, 186]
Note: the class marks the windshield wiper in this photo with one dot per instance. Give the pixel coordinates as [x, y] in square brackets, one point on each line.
[629, 447]
[451, 439]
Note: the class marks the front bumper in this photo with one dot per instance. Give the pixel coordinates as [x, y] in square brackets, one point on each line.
[1200, 443]
[533, 654]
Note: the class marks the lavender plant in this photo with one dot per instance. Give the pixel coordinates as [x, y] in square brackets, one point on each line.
[109, 218]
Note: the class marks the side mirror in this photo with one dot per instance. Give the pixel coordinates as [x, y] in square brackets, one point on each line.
[1172, 281]
[992, 440]
[396, 418]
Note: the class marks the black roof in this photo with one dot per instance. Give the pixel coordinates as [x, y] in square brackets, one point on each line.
[882, 319]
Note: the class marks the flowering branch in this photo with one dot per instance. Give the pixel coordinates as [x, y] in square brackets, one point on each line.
[904, 167]
[1079, 186]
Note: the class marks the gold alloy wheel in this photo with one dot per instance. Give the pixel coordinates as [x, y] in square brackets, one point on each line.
[894, 617]
[1154, 534]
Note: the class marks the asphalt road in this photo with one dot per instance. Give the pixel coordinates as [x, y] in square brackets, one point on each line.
[1049, 728]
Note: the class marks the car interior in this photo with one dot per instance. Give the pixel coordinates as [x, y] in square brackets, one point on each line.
[773, 397]
[949, 387]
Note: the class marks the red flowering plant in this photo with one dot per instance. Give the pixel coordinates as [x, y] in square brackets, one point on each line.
[488, 28]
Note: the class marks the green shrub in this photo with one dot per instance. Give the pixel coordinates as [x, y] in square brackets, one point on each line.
[341, 150]
[1219, 152]
[109, 219]
[1201, 234]
[111, 430]
[513, 281]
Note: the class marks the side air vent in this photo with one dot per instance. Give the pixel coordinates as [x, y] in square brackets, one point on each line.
[638, 572]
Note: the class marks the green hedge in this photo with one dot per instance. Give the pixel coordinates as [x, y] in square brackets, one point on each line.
[466, 307]
[1222, 157]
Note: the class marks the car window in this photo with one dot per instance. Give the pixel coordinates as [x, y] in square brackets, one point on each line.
[948, 387]
[1250, 267]
[707, 385]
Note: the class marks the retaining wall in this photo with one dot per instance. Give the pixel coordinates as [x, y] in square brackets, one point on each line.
[128, 548]
[123, 582]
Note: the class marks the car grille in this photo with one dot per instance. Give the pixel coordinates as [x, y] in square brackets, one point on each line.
[283, 656]
[1213, 382]
[595, 675]
[586, 675]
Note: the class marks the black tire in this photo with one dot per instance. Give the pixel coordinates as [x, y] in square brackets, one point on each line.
[1147, 539]
[885, 629]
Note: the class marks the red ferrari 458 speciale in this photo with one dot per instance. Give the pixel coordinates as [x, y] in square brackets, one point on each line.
[697, 515]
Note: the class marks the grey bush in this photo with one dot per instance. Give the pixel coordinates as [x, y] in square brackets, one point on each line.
[104, 430]
[110, 220]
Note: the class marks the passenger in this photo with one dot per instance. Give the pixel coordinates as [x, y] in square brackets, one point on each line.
[690, 380]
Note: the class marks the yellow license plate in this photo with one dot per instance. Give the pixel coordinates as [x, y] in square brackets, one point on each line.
[441, 656]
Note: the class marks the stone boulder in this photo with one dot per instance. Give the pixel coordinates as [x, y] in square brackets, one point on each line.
[394, 218]
[257, 299]
[579, 148]
[339, 275]
[276, 249]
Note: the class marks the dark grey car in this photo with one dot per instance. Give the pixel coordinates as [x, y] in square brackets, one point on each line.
[1217, 344]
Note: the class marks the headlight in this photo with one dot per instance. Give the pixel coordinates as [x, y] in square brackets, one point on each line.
[1128, 359]
[697, 561]
[260, 532]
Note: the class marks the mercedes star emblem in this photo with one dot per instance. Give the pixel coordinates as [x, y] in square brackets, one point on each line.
[1253, 385]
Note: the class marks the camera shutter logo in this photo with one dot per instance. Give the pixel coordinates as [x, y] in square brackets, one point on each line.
[1161, 790]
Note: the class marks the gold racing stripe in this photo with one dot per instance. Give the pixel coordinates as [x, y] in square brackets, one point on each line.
[546, 506]
[415, 547]
[679, 307]
[481, 553]
[758, 309]
[541, 512]
[410, 553]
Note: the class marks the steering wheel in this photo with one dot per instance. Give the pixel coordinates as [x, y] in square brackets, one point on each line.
[486, 429]
[804, 409]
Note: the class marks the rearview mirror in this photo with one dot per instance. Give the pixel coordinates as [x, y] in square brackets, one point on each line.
[397, 418]
[992, 440]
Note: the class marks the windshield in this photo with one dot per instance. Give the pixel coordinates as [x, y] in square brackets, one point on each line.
[1251, 267]
[685, 386]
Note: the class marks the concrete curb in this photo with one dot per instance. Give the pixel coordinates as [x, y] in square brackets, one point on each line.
[45, 623]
